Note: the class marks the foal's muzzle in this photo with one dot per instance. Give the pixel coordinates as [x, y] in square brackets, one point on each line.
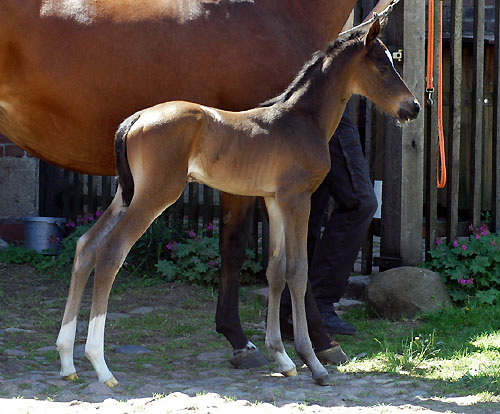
[408, 110]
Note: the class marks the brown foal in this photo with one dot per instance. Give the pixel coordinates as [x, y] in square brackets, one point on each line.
[278, 151]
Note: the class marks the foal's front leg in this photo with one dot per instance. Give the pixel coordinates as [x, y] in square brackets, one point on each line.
[295, 210]
[276, 279]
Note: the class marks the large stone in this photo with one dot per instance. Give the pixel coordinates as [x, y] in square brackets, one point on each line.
[404, 291]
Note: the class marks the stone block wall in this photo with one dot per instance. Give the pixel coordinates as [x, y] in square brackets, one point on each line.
[19, 189]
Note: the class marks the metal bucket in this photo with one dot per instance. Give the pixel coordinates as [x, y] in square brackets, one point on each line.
[44, 234]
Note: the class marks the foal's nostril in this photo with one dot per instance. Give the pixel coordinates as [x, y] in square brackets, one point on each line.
[416, 107]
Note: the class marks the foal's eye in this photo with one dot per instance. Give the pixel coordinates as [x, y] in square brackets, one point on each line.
[383, 69]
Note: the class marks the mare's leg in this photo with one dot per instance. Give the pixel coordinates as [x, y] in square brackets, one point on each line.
[235, 230]
[82, 266]
[295, 210]
[276, 279]
[146, 205]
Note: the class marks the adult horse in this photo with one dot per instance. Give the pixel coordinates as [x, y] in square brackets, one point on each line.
[71, 70]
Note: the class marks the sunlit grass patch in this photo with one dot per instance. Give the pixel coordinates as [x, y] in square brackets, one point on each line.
[458, 349]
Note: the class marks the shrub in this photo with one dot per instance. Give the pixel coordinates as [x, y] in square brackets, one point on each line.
[196, 259]
[470, 268]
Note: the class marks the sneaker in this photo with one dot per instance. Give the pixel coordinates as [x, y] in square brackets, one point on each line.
[336, 326]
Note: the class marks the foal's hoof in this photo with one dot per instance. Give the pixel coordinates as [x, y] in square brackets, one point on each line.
[248, 358]
[333, 355]
[70, 377]
[112, 382]
[291, 373]
[324, 380]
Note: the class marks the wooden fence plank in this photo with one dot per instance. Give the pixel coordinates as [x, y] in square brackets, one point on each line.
[495, 196]
[455, 119]
[401, 229]
[477, 113]
[91, 193]
[431, 109]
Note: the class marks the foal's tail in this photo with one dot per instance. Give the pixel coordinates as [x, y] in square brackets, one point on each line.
[125, 178]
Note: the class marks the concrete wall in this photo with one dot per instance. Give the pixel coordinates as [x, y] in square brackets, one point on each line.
[19, 186]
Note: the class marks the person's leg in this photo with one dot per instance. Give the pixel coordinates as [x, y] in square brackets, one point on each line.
[349, 183]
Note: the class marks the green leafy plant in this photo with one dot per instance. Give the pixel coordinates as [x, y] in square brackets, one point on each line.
[470, 268]
[196, 259]
[414, 351]
[20, 254]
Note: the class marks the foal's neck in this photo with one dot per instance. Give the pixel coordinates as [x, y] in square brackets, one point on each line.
[324, 97]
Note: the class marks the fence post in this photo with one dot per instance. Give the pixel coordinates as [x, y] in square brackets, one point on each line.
[455, 118]
[477, 114]
[402, 198]
[431, 144]
[495, 195]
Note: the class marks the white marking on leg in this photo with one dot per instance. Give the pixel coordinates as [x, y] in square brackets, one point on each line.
[94, 348]
[65, 342]
[283, 360]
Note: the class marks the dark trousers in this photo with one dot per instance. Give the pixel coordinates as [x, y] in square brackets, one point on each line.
[331, 256]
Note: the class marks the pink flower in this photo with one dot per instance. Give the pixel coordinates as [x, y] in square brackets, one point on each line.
[478, 236]
[462, 281]
[210, 226]
[438, 242]
[73, 224]
[169, 246]
[211, 263]
[98, 213]
[191, 233]
[90, 218]
[455, 244]
[464, 247]
[470, 281]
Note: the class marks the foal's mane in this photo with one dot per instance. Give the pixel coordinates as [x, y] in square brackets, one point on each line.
[313, 66]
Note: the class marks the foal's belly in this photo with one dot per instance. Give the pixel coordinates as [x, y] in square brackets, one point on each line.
[234, 179]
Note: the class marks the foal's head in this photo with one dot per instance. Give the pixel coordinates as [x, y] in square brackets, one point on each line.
[376, 78]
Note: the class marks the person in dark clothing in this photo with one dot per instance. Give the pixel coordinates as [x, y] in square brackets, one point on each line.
[331, 256]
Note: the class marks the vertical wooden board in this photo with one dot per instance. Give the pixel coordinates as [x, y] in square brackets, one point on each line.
[208, 206]
[68, 179]
[455, 118]
[402, 205]
[477, 113]
[92, 194]
[106, 192]
[77, 198]
[431, 145]
[495, 199]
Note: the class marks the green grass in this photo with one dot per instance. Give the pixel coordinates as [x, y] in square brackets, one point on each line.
[456, 349]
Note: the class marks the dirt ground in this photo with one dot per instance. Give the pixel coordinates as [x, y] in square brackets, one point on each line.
[162, 347]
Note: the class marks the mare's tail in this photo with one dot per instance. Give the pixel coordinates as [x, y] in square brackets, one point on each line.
[125, 178]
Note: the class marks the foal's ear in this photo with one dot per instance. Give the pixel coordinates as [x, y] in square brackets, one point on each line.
[375, 30]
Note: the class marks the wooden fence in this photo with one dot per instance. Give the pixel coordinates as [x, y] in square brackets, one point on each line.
[404, 159]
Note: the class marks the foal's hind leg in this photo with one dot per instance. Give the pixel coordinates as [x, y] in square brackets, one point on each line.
[276, 279]
[295, 211]
[113, 249]
[82, 266]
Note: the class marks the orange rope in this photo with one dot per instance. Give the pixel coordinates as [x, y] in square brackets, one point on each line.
[441, 164]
